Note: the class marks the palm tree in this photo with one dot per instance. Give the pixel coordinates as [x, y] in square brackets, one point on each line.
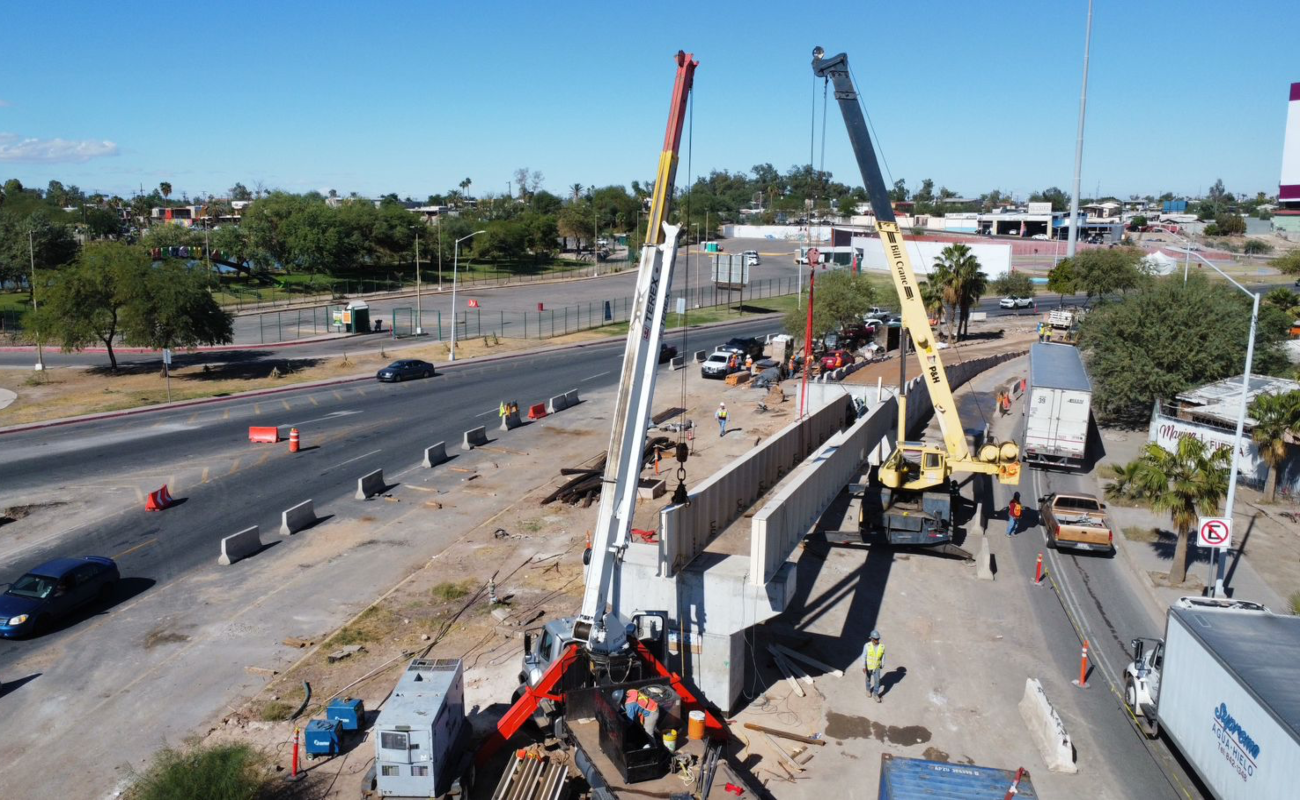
[166, 189]
[576, 190]
[931, 298]
[1275, 416]
[945, 284]
[1186, 483]
[968, 282]
[464, 186]
[1126, 485]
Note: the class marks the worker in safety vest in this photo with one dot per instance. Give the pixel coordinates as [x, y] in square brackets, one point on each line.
[873, 664]
[1014, 510]
[636, 704]
[721, 416]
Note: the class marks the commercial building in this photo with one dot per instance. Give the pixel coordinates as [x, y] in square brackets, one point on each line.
[1286, 219]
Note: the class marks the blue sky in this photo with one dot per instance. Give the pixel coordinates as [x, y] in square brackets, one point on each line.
[412, 97]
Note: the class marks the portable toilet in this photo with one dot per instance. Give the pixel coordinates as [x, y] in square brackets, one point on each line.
[349, 711]
[356, 317]
[323, 737]
[421, 734]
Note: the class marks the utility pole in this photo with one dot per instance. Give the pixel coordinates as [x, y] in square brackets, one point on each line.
[440, 255]
[31, 253]
[1078, 146]
[419, 312]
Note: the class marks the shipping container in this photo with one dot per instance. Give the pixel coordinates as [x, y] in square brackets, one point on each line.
[1227, 698]
[1058, 407]
[917, 779]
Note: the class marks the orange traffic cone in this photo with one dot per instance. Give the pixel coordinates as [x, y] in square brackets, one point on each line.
[159, 500]
[293, 440]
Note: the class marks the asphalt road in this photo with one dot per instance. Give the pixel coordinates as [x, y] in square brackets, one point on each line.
[227, 484]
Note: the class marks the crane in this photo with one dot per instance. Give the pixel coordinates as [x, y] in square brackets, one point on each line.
[913, 468]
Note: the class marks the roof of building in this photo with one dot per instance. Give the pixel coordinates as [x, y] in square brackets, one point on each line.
[1261, 649]
[1057, 366]
[1221, 401]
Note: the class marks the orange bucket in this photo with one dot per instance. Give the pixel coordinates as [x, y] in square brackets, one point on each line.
[695, 725]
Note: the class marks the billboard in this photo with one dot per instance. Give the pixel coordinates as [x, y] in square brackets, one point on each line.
[730, 271]
[1040, 208]
[1289, 189]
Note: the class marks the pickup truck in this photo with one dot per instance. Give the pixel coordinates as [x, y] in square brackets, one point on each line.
[1077, 521]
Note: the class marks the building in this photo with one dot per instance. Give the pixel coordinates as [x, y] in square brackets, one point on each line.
[1210, 414]
[1286, 219]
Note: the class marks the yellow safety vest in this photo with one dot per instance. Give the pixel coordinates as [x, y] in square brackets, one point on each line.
[875, 655]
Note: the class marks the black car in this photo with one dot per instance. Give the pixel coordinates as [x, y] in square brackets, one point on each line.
[52, 590]
[745, 345]
[666, 353]
[405, 369]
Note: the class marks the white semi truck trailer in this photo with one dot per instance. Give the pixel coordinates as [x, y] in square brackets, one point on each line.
[1222, 687]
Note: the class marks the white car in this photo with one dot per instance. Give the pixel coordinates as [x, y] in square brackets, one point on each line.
[1016, 302]
[1042, 237]
[716, 365]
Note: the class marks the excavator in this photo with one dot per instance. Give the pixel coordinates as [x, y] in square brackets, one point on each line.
[917, 491]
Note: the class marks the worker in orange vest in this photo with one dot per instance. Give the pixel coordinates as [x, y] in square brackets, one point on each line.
[1014, 511]
[636, 704]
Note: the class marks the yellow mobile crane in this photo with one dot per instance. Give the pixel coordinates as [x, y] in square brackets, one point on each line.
[915, 505]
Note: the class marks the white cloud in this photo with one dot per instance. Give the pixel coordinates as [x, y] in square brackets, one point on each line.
[16, 148]
[4, 103]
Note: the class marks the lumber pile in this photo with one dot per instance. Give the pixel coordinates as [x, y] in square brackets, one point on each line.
[584, 485]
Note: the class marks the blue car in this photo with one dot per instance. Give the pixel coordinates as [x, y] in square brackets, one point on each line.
[53, 590]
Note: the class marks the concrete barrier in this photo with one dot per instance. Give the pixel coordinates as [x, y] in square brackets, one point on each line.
[433, 456]
[700, 355]
[977, 521]
[475, 437]
[557, 403]
[1046, 729]
[984, 561]
[511, 421]
[571, 397]
[370, 484]
[677, 363]
[651, 489]
[297, 518]
[240, 545]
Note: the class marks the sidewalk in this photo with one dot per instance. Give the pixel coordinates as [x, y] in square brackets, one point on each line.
[1151, 560]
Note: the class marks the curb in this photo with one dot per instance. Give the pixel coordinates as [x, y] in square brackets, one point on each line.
[127, 412]
[221, 348]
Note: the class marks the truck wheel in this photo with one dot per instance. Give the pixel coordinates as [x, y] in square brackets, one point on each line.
[1048, 541]
[1130, 695]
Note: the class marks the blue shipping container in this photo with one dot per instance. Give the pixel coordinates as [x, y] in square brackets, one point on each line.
[916, 779]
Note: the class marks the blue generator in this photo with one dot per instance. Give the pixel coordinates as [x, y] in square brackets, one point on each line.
[323, 737]
[348, 710]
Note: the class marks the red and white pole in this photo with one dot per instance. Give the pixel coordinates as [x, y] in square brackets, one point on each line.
[1082, 683]
[293, 440]
[807, 346]
[1038, 571]
[294, 771]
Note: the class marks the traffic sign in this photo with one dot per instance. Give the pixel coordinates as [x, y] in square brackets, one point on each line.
[814, 255]
[1214, 532]
[167, 356]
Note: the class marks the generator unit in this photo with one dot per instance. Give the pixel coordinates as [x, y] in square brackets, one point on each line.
[421, 735]
[323, 737]
[348, 710]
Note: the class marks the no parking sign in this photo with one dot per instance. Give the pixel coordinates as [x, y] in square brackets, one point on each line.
[1214, 532]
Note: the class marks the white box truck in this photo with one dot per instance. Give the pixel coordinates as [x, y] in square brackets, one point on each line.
[1058, 406]
[1221, 686]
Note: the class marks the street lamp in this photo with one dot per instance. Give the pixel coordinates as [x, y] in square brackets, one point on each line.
[419, 312]
[455, 261]
[31, 252]
[1218, 562]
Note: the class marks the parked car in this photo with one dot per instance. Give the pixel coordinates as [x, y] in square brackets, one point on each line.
[404, 369]
[1042, 237]
[666, 353]
[745, 345]
[717, 365]
[836, 359]
[1076, 521]
[53, 590]
[1016, 302]
[751, 258]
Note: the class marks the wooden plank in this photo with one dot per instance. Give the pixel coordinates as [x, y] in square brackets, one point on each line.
[794, 668]
[794, 737]
[809, 660]
[794, 684]
[782, 754]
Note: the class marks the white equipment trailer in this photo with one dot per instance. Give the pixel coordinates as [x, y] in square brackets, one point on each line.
[1058, 407]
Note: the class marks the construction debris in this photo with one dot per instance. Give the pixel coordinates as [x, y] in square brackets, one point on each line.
[785, 734]
[345, 652]
[809, 660]
[584, 486]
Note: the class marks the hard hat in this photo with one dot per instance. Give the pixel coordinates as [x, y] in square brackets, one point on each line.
[875, 634]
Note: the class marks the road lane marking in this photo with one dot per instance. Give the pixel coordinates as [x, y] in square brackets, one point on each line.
[360, 391]
[337, 396]
[287, 407]
[116, 556]
[594, 377]
[332, 415]
[171, 484]
[257, 409]
[350, 460]
[139, 495]
[204, 479]
[226, 415]
[263, 459]
[234, 467]
[313, 400]
[485, 413]
[193, 417]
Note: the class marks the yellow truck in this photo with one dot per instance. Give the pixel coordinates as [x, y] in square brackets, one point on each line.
[1076, 521]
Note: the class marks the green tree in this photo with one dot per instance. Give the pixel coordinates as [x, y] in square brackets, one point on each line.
[170, 307]
[575, 221]
[26, 233]
[1276, 417]
[1281, 297]
[1103, 272]
[1230, 224]
[1166, 338]
[1013, 284]
[1288, 263]
[239, 192]
[1187, 483]
[166, 189]
[86, 302]
[1138, 223]
[1062, 280]
[839, 299]
[1256, 247]
[1060, 200]
[968, 281]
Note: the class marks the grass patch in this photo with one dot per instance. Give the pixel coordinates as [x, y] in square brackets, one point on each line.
[368, 627]
[276, 710]
[1295, 603]
[531, 526]
[448, 591]
[1107, 471]
[213, 772]
[1139, 534]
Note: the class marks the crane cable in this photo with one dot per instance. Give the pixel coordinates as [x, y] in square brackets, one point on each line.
[686, 292]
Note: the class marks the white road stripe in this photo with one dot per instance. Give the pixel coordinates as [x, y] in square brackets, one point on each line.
[350, 460]
[594, 377]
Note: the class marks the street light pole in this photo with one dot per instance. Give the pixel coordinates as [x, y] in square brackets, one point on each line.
[455, 263]
[31, 253]
[419, 312]
[440, 253]
[1078, 146]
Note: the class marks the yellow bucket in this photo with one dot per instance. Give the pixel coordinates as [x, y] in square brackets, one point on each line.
[670, 740]
[695, 725]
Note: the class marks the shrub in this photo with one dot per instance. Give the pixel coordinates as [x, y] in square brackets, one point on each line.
[1254, 246]
[199, 772]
